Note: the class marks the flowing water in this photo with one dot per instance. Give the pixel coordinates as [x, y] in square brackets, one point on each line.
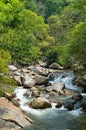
[53, 118]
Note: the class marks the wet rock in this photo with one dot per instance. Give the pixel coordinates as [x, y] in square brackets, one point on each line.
[36, 93]
[55, 66]
[11, 117]
[41, 80]
[69, 104]
[83, 105]
[16, 102]
[52, 76]
[77, 97]
[58, 86]
[59, 104]
[40, 103]
[26, 95]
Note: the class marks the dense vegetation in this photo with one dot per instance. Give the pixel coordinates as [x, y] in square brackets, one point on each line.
[30, 29]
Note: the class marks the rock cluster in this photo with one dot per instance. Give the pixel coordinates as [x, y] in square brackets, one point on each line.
[36, 80]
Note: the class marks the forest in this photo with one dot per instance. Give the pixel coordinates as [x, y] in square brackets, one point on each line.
[32, 29]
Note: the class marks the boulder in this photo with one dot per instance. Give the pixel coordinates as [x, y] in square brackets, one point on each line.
[77, 97]
[40, 103]
[18, 80]
[11, 117]
[59, 104]
[69, 104]
[58, 86]
[55, 66]
[18, 73]
[39, 70]
[41, 80]
[81, 80]
[27, 81]
[12, 67]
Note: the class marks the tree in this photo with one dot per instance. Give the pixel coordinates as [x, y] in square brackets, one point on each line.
[76, 46]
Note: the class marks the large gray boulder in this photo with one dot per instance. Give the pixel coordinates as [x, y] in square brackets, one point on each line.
[12, 67]
[28, 81]
[11, 117]
[41, 80]
[58, 86]
[39, 70]
[40, 103]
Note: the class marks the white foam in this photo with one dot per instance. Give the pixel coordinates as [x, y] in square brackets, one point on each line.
[20, 95]
[76, 112]
[53, 105]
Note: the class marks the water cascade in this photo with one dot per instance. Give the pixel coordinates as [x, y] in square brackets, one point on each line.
[54, 118]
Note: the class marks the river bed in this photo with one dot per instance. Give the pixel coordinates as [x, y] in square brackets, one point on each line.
[54, 118]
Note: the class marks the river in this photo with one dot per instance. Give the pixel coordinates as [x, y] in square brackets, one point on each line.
[53, 118]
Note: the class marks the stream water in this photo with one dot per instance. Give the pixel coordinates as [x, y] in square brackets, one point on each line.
[53, 118]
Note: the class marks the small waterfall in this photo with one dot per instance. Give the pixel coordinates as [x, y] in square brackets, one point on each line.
[67, 79]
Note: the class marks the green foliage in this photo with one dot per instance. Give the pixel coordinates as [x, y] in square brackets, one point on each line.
[26, 36]
[30, 5]
[52, 54]
[50, 7]
[21, 30]
[7, 84]
[77, 41]
[75, 49]
[5, 59]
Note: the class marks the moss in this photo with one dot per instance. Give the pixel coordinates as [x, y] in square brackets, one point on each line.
[7, 84]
